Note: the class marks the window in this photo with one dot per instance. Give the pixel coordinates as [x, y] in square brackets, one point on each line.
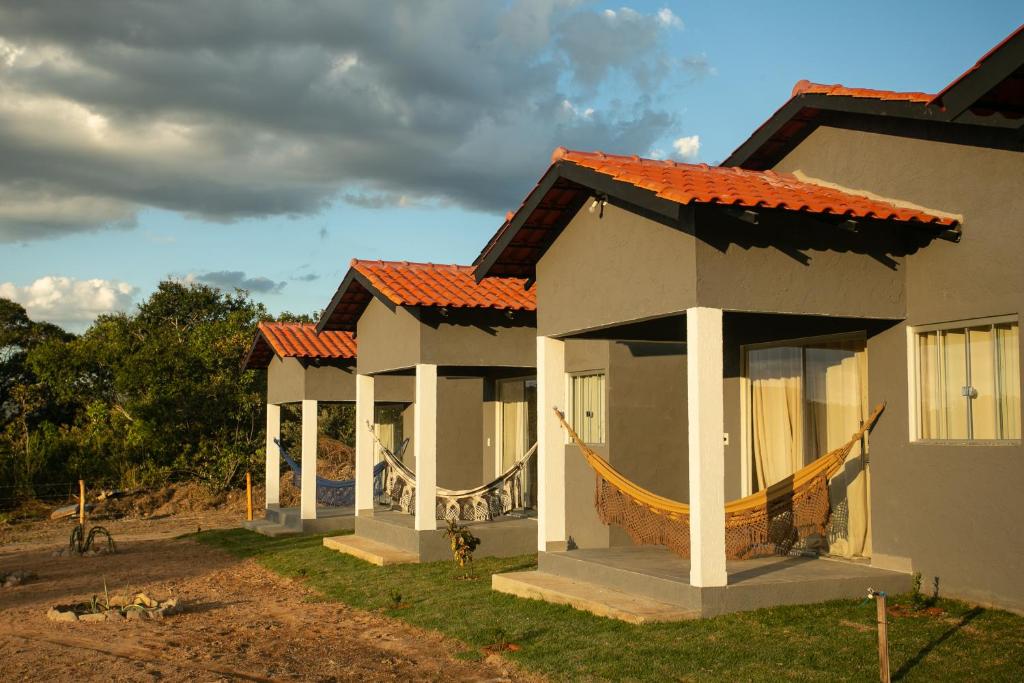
[387, 419]
[587, 413]
[968, 380]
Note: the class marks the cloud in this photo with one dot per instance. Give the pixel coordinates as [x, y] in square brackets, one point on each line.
[668, 18]
[306, 277]
[70, 302]
[687, 148]
[237, 109]
[237, 279]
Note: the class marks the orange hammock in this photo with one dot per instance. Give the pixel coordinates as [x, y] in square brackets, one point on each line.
[768, 522]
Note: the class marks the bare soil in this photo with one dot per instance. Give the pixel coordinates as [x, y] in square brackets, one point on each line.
[241, 622]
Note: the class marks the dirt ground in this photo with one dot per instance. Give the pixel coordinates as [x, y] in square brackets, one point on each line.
[241, 622]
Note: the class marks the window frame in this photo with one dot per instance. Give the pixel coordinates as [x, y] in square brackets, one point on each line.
[571, 401]
[914, 378]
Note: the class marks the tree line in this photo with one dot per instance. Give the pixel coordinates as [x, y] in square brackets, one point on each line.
[138, 399]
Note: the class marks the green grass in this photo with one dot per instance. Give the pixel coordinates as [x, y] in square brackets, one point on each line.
[826, 642]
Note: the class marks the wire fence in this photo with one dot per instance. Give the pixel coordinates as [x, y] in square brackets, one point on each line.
[11, 495]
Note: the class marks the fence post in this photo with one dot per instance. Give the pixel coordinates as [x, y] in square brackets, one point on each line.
[248, 496]
[883, 633]
[81, 502]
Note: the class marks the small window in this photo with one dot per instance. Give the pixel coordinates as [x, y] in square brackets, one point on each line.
[968, 380]
[587, 392]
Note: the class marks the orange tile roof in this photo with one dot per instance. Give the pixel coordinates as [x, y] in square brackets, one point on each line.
[430, 284]
[297, 340]
[700, 183]
[806, 87]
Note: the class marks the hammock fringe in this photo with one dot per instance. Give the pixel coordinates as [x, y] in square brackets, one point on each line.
[508, 492]
[769, 522]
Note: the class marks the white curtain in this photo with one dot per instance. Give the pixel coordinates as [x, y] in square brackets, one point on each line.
[514, 422]
[836, 387]
[1008, 379]
[388, 425]
[775, 379]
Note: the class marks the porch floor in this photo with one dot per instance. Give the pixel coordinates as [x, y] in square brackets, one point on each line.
[388, 537]
[654, 573]
[287, 521]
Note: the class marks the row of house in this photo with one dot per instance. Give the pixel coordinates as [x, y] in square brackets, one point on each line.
[708, 332]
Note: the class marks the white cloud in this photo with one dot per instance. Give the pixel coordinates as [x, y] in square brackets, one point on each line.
[70, 302]
[687, 147]
[667, 18]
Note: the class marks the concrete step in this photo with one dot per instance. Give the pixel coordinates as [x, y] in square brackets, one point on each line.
[590, 597]
[370, 551]
[574, 565]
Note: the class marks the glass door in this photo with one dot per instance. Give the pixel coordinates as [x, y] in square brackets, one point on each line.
[807, 398]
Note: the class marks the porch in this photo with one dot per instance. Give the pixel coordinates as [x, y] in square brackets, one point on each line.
[641, 584]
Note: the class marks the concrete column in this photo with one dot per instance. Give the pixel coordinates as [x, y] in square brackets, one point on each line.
[425, 438]
[705, 397]
[551, 533]
[309, 434]
[273, 456]
[364, 445]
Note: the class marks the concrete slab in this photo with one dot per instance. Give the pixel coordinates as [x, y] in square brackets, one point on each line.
[502, 537]
[369, 550]
[590, 597]
[655, 573]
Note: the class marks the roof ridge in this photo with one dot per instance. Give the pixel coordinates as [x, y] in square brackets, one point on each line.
[806, 87]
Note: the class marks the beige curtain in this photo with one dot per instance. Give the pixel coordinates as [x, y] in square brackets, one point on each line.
[514, 422]
[388, 425]
[836, 403]
[775, 382]
[942, 368]
[1008, 379]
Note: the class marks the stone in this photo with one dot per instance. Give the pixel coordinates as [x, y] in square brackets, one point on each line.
[55, 614]
[115, 615]
[96, 616]
[134, 614]
[12, 581]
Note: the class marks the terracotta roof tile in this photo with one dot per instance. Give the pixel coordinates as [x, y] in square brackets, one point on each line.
[297, 340]
[689, 183]
[808, 88]
[429, 284]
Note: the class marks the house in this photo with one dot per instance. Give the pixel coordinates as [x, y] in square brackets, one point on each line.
[308, 368]
[469, 348]
[709, 331]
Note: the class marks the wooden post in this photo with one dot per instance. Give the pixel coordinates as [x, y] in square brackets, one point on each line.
[248, 496]
[81, 502]
[883, 638]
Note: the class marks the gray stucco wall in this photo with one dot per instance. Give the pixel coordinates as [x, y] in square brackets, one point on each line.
[388, 339]
[286, 380]
[949, 510]
[289, 382]
[603, 271]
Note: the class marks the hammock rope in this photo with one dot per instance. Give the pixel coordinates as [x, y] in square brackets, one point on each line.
[769, 522]
[503, 495]
[332, 492]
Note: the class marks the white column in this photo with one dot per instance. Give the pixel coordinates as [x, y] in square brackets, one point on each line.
[309, 438]
[273, 456]
[550, 444]
[424, 434]
[364, 445]
[704, 402]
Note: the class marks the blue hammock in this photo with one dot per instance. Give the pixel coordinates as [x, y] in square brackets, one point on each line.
[332, 492]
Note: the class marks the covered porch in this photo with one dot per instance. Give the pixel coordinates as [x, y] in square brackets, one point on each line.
[310, 371]
[468, 350]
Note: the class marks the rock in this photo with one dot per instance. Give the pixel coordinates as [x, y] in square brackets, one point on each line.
[97, 616]
[145, 600]
[133, 614]
[69, 511]
[55, 614]
[114, 615]
[12, 581]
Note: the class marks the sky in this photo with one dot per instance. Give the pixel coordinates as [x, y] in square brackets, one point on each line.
[262, 145]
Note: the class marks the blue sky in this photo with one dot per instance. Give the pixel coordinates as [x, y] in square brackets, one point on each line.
[712, 70]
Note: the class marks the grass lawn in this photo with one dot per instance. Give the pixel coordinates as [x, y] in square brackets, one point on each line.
[826, 642]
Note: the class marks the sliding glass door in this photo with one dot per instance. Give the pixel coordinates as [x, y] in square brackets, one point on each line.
[806, 398]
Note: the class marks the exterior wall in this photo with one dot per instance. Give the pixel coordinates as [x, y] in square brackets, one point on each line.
[330, 383]
[286, 380]
[622, 267]
[794, 264]
[947, 510]
[388, 340]
[482, 338]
